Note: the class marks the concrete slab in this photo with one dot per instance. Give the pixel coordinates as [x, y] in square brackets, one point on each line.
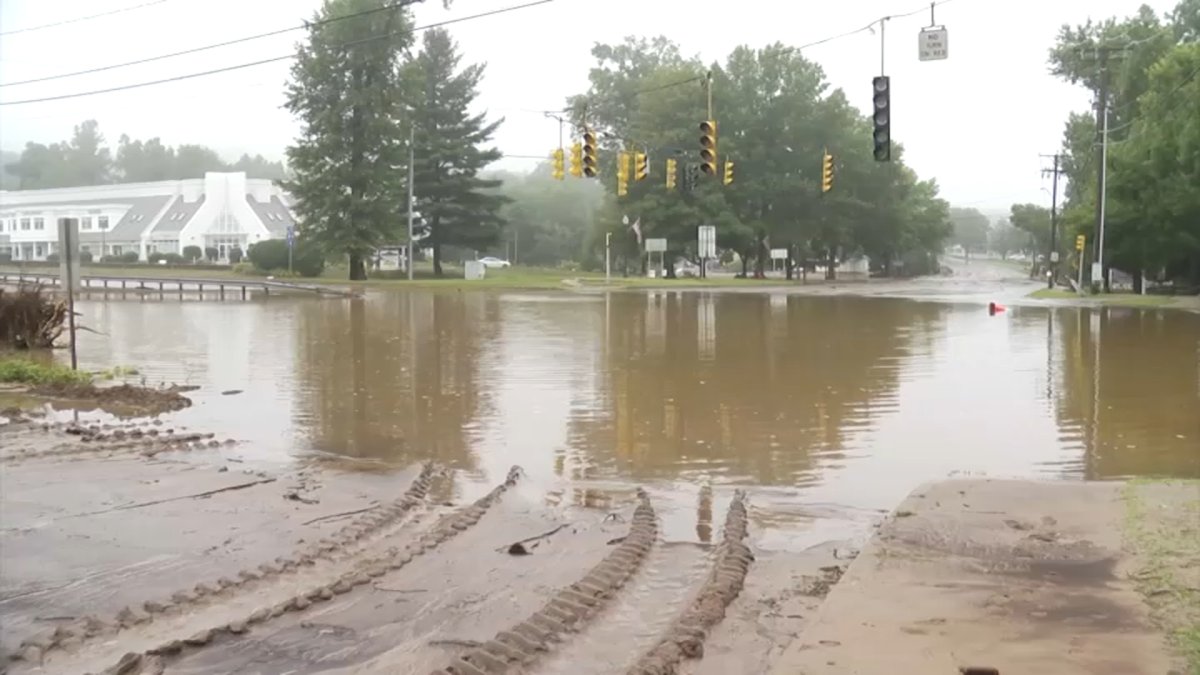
[1016, 576]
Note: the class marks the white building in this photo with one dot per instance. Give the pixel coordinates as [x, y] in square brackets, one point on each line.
[220, 211]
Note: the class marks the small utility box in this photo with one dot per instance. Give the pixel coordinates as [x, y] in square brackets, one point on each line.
[474, 270]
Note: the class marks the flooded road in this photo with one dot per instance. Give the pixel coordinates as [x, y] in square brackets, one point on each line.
[404, 457]
[851, 400]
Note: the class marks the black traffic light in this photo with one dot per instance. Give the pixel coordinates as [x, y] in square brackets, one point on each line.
[708, 147]
[882, 119]
[591, 165]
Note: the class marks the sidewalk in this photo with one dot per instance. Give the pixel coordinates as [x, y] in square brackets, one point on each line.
[1016, 576]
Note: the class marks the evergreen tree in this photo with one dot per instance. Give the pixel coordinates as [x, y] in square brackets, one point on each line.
[347, 164]
[461, 208]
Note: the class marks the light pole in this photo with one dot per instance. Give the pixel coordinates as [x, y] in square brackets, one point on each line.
[411, 179]
[607, 257]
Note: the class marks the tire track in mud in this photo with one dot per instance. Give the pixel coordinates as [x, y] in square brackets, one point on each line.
[685, 638]
[569, 610]
[339, 546]
[153, 659]
[65, 440]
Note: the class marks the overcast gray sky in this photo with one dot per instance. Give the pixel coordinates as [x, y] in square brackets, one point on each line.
[977, 122]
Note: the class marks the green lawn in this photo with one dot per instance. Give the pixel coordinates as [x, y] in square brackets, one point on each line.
[1115, 299]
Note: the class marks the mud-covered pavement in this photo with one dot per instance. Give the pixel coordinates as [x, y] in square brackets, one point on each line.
[141, 548]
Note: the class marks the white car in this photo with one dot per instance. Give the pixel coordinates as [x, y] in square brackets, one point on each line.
[492, 261]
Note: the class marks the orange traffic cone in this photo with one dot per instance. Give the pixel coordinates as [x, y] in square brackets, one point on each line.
[995, 308]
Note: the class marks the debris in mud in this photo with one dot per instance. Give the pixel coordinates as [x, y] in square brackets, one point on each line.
[518, 549]
[231, 392]
[124, 398]
[819, 586]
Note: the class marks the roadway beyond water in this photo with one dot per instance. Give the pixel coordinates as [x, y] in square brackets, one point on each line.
[827, 409]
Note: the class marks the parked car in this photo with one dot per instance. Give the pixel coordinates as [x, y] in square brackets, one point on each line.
[492, 261]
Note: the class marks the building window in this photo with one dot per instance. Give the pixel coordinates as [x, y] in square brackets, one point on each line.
[39, 224]
[116, 249]
[24, 223]
[38, 251]
[102, 223]
[85, 223]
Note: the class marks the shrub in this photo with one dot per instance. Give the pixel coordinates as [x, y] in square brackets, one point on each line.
[24, 371]
[172, 258]
[268, 255]
[128, 257]
[85, 256]
[192, 253]
[308, 260]
[235, 255]
[52, 258]
[244, 269]
[211, 254]
[5, 257]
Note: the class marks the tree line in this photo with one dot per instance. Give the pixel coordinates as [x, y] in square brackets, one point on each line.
[1149, 67]
[776, 116]
[86, 159]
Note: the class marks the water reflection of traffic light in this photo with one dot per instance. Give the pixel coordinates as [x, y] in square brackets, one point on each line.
[757, 387]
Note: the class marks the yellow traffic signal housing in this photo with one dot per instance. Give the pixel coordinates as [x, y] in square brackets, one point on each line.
[827, 172]
[708, 147]
[577, 159]
[728, 173]
[672, 169]
[622, 174]
[591, 165]
[556, 164]
[641, 166]
[1079, 242]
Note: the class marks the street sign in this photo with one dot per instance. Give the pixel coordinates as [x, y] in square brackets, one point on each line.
[779, 254]
[1054, 256]
[656, 245]
[291, 236]
[707, 235]
[933, 43]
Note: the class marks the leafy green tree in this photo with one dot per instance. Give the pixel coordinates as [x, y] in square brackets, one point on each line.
[41, 166]
[260, 167]
[139, 161]
[460, 207]
[347, 93]
[89, 162]
[1154, 221]
[549, 220]
[970, 229]
[1034, 220]
[1005, 240]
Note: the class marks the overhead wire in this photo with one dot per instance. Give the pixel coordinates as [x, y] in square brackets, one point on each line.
[216, 45]
[79, 19]
[251, 64]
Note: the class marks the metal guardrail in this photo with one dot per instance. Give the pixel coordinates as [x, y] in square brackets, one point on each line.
[180, 285]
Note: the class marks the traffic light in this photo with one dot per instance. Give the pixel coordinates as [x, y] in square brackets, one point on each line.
[591, 166]
[728, 173]
[672, 168]
[1079, 241]
[708, 147]
[556, 162]
[882, 118]
[622, 174]
[641, 166]
[691, 176]
[826, 172]
[577, 159]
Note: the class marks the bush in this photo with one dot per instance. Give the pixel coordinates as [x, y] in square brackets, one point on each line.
[235, 255]
[244, 269]
[52, 259]
[23, 371]
[268, 255]
[192, 253]
[170, 258]
[5, 257]
[85, 256]
[211, 254]
[129, 257]
[308, 260]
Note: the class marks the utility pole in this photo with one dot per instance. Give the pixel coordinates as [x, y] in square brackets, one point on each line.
[1052, 257]
[1102, 53]
[412, 135]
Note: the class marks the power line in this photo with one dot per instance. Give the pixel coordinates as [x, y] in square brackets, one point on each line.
[871, 25]
[260, 62]
[227, 43]
[78, 19]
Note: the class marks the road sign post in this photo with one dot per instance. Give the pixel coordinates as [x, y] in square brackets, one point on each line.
[707, 240]
[68, 262]
[658, 246]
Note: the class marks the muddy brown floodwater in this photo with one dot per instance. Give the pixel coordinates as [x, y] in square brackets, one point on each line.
[769, 431]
